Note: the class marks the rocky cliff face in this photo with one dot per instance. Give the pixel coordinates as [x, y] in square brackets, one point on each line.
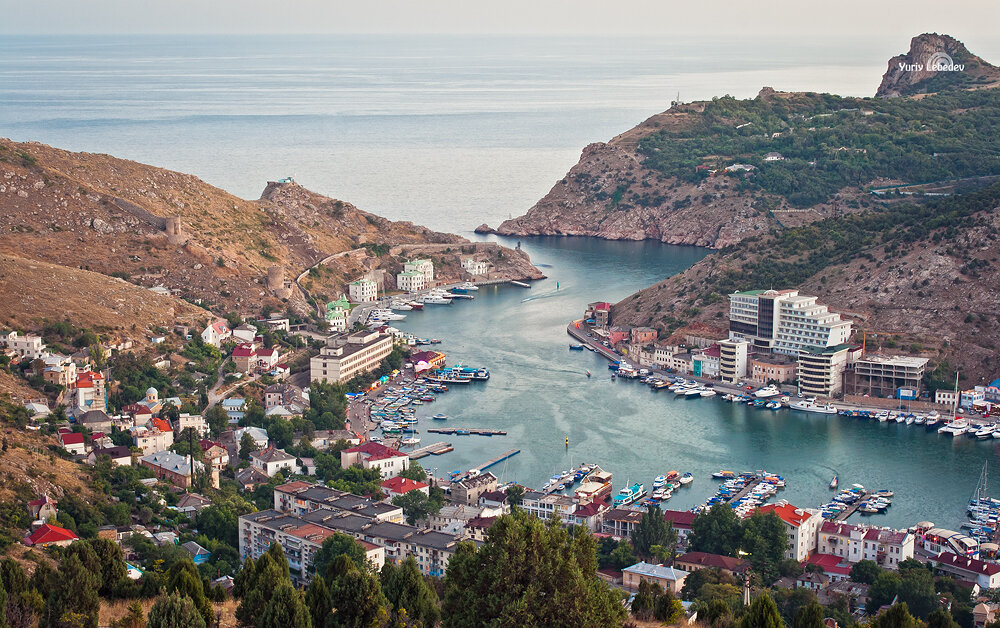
[935, 63]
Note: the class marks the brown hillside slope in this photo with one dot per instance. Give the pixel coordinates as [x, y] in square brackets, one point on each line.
[111, 215]
[33, 291]
[933, 280]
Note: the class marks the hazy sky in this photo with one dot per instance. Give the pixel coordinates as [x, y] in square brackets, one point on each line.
[975, 22]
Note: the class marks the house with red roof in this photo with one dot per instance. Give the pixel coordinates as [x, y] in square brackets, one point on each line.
[834, 567]
[396, 486]
[477, 527]
[216, 333]
[245, 357]
[90, 392]
[48, 534]
[681, 520]
[854, 543]
[42, 508]
[693, 561]
[371, 455]
[589, 515]
[986, 575]
[802, 525]
[73, 442]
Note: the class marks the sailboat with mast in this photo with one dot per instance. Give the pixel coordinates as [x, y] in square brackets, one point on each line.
[983, 511]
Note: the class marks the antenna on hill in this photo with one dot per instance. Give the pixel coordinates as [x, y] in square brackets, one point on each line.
[674, 103]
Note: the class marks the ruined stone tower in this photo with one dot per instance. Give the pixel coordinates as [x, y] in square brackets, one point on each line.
[175, 230]
[276, 282]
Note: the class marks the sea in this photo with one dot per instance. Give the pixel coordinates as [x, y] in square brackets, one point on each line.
[452, 132]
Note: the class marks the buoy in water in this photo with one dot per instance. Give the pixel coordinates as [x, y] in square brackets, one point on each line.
[567, 441]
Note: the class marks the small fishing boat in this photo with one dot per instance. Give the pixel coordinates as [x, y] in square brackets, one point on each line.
[576, 347]
[834, 482]
[658, 482]
[723, 475]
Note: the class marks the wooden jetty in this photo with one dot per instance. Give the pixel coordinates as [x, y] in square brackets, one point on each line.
[492, 461]
[434, 448]
[852, 508]
[465, 431]
[746, 489]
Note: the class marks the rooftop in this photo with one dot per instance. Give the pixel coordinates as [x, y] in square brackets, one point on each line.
[789, 514]
[655, 571]
[48, 533]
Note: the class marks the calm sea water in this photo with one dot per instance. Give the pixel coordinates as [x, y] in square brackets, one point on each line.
[454, 132]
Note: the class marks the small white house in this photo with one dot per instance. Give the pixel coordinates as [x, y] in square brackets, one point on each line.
[216, 333]
[272, 460]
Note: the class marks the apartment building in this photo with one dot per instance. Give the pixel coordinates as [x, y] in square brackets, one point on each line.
[821, 370]
[854, 543]
[28, 347]
[423, 266]
[371, 455]
[363, 290]
[783, 321]
[801, 525]
[257, 531]
[733, 360]
[773, 367]
[348, 355]
[298, 498]
[410, 281]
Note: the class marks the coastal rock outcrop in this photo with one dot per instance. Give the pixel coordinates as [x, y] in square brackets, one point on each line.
[935, 63]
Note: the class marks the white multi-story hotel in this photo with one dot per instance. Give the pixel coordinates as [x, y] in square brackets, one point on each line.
[348, 355]
[363, 290]
[784, 321]
[410, 281]
[422, 266]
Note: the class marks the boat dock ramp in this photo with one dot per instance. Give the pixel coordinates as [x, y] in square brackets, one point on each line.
[433, 449]
[453, 431]
[492, 461]
[852, 508]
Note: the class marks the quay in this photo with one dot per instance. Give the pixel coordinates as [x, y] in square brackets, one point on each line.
[492, 461]
[435, 448]
[752, 484]
[465, 431]
[853, 508]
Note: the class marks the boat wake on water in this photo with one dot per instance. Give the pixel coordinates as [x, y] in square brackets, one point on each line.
[544, 295]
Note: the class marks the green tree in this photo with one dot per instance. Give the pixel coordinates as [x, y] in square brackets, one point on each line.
[262, 578]
[414, 472]
[73, 588]
[247, 446]
[285, 609]
[917, 590]
[415, 505]
[515, 494]
[183, 578]
[717, 531]
[809, 616]
[318, 601]
[548, 576]
[652, 531]
[896, 617]
[338, 544]
[355, 595]
[883, 591]
[865, 571]
[765, 538]
[3, 607]
[217, 419]
[763, 613]
[940, 618]
[406, 590]
[221, 520]
[175, 611]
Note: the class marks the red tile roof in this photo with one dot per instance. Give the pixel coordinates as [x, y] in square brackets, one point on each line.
[704, 559]
[47, 533]
[589, 510]
[375, 451]
[400, 485]
[967, 564]
[162, 424]
[483, 523]
[789, 514]
[682, 519]
[71, 439]
[244, 350]
[830, 564]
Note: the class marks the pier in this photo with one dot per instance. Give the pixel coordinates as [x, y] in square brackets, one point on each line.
[852, 508]
[752, 484]
[465, 431]
[435, 448]
[492, 461]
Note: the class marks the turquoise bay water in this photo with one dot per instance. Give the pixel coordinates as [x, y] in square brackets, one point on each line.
[453, 132]
[540, 394]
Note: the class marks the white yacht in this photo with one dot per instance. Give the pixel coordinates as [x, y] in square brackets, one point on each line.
[767, 392]
[810, 405]
[954, 428]
[385, 315]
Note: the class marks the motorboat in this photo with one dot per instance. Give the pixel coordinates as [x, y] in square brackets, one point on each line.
[687, 478]
[767, 392]
[808, 405]
[834, 482]
[707, 392]
[658, 482]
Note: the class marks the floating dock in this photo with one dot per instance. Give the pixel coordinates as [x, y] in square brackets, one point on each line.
[852, 508]
[457, 431]
[492, 461]
[434, 448]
